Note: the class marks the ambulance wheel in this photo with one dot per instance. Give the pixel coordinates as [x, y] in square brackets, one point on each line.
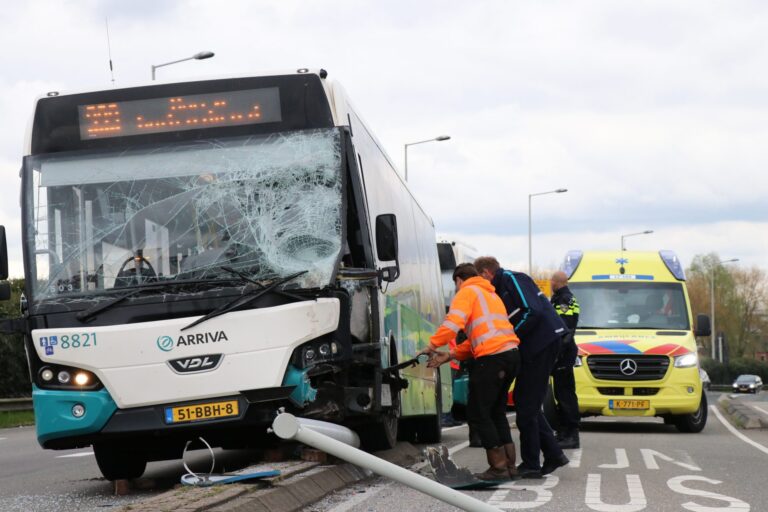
[119, 463]
[429, 429]
[693, 423]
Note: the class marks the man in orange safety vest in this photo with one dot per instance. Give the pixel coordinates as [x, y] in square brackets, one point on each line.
[492, 342]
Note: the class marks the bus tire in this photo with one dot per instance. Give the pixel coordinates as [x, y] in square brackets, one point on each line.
[429, 429]
[550, 409]
[694, 423]
[381, 434]
[119, 463]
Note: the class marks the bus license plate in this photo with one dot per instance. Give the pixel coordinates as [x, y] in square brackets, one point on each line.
[629, 404]
[199, 412]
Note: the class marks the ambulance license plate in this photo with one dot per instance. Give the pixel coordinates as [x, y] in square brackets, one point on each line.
[198, 412]
[629, 404]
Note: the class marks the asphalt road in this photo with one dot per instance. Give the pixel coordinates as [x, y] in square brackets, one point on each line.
[622, 466]
[663, 469]
[37, 480]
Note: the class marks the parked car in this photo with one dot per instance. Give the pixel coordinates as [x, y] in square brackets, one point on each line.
[705, 379]
[748, 384]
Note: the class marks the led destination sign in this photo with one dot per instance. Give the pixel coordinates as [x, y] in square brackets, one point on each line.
[176, 113]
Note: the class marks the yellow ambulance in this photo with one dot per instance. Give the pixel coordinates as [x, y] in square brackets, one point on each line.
[637, 351]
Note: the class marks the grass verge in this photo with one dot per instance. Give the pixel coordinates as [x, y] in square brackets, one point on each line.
[16, 418]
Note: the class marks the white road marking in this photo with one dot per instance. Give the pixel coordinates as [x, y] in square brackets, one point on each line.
[575, 457]
[736, 432]
[3, 438]
[448, 429]
[764, 411]
[649, 457]
[72, 455]
[622, 461]
[676, 484]
[543, 494]
[637, 499]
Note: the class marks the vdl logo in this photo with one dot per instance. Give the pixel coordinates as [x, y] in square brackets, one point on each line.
[165, 343]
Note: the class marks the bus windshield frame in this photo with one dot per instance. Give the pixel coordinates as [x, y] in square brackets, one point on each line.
[103, 221]
[629, 305]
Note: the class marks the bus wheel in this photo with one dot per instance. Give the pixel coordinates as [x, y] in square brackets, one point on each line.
[429, 429]
[694, 422]
[381, 434]
[119, 463]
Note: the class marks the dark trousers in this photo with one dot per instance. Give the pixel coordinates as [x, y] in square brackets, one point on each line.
[530, 388]
[564, 387]
[489, 381]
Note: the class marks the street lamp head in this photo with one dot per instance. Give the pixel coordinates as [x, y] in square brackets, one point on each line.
[647, 231]
[442, 137]
[561, 190]
[203, 55]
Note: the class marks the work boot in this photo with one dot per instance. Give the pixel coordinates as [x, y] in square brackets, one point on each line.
[552, 464]
[569, 440]
[497, 462]
[509, 450]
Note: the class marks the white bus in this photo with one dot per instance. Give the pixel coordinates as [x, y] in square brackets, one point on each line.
[199, 254]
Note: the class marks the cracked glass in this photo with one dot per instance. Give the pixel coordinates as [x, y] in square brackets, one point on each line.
[266, 205]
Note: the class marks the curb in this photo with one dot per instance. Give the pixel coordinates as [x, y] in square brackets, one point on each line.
[741, 414]
[299, 485]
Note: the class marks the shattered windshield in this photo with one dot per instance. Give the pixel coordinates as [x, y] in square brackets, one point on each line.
[268, 205]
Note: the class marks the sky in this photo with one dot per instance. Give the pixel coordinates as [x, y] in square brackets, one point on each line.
[652, 114]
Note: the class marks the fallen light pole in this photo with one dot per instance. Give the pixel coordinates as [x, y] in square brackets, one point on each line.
[288, 426]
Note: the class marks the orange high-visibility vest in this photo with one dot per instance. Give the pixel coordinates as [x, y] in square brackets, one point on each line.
[480, 312]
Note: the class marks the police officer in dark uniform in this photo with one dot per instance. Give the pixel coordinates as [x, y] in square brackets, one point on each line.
[564, 385]
[540, 330]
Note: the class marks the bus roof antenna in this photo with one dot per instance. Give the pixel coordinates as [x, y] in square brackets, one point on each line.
[109, 53]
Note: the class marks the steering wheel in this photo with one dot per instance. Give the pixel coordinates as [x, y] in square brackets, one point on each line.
[142, 272]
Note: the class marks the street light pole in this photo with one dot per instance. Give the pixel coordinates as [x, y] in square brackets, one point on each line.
[530, 250]
[646, 232]
[439, 138]
[712, 308]
[197, 56]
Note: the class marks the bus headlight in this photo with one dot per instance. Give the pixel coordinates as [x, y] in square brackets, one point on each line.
[686, 361]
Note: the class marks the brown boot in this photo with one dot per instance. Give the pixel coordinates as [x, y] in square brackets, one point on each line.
[497, 460]
[511, 453]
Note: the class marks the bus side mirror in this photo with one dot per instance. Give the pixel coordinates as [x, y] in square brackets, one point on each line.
[703, 327]
[386, 245]
[5, 291]
[3, 255]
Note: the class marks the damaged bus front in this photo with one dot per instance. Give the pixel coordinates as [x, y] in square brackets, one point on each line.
[198, 255]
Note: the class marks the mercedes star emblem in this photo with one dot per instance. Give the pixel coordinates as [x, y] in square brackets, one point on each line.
[628, 367]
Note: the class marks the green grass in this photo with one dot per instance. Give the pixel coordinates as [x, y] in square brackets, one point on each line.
[16, 418]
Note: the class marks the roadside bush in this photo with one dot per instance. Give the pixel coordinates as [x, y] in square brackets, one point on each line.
[720, 373]
[14, 376]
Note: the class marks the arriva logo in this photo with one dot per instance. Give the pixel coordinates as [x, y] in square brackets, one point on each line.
[165, 343]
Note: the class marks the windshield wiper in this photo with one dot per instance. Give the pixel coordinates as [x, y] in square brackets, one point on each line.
[244, 299]
[167, 285]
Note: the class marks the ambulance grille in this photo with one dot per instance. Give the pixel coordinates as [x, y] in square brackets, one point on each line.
[609, 367]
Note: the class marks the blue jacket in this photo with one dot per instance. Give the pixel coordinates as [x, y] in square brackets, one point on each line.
[536, 322]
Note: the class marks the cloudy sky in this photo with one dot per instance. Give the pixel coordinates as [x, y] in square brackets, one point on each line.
[653, 114]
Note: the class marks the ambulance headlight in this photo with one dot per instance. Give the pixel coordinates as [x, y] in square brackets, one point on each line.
[686, 361]
[577, 362]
